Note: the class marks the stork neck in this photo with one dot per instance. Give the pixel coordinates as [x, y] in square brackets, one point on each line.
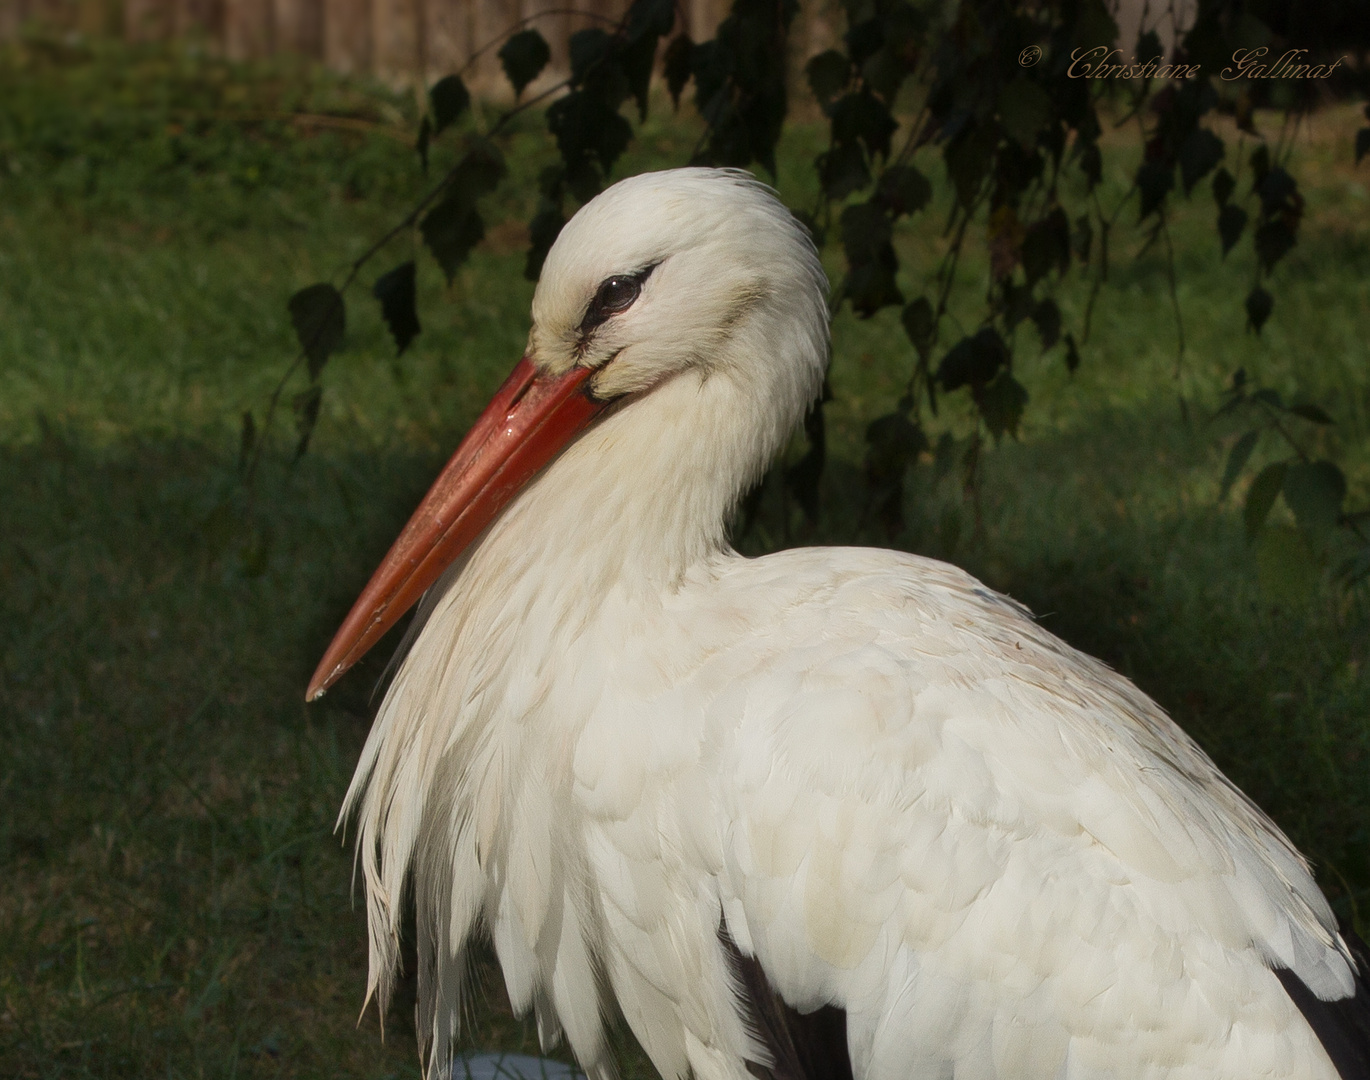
[646, 493]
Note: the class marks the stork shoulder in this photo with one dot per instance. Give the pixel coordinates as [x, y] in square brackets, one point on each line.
[910, 755]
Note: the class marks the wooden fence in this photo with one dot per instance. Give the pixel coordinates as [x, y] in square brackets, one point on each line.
[398, 40]
[404, 41]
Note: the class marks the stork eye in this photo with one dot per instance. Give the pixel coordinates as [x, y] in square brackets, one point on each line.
[615, 295]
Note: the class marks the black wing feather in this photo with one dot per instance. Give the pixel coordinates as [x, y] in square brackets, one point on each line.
[1342, 1026]
[803, 1046]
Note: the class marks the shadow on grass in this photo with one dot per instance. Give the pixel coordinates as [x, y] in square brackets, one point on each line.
[175, 900]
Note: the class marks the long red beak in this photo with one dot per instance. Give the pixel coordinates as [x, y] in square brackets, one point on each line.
[530, 419]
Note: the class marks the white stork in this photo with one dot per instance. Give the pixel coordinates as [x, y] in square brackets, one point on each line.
[831, 813]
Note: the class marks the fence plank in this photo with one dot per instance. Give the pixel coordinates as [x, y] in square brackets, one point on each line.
[394, 38]
[490, 18]
[347, 35]
[299, 27]
[11, 18]
[401, 40]
[147, 20]
[197, 18]
[448, 38]
[249, 29]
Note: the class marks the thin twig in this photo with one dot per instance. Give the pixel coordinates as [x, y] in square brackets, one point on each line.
[1174, 300]
[1274, 419]
[251, 470]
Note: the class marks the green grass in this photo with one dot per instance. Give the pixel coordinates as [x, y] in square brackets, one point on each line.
[173, 901]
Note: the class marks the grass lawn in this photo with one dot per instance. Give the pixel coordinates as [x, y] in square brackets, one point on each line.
[174, 901]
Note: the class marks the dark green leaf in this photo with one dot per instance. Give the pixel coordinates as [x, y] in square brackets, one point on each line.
[865, 230]
[1149, 47]
[425, 138]
[968, 156]
[1362, 143]
[865, 117]
[1260, 165]
[650, 18]
[1314, 490]
[1018, 304]
[1223, 186]
[1024, 110]
[1356, 567]
[1072, 354]
[866, 34]
[944, 457]
[1091, 162]
[588, 48]
[1275, 188]
[1200, 152]
[395, 290]
[885, 72]
[448, 99]
[1268, 397]
[479, 172]
[635, 59]
[678, 65]
[451, 229]
[583, 180]
[542, 231]
[1046, 246]
[1094, 23]
[974, 360]
[829, 73]
[871, 285]
[1259, 305]
[1154, 181]
[523, 57]
[1311, 413]
[306, 407]
[1231, 222]
[1001, 404]
[1046, 316]
[842, 170]
[1236, 461]
[320, 319]
[904, 190]
[740, 83]
[920, 324]
[1261, 496]
[587, 130]
[1083, 239]
[1273, 241]
[893, 443]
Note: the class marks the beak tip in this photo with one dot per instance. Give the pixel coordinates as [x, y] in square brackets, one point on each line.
[319, 684]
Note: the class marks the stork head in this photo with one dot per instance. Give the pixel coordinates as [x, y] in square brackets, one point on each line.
[692, 270]
[670, 270]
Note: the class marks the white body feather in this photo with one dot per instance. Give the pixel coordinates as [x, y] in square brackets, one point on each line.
[893, 788]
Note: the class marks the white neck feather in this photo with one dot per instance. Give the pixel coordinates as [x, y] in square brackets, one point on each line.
[618, 519]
